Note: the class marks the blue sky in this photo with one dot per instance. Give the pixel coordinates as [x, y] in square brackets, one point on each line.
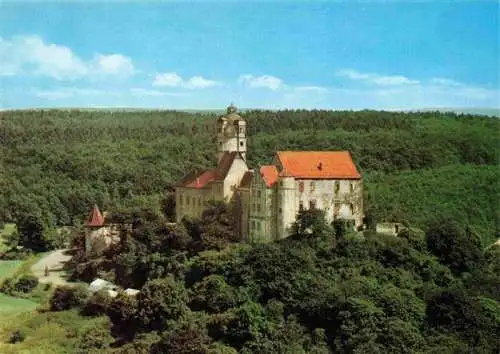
[267, 54]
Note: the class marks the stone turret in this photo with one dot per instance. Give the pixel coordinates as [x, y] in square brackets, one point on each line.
[231, 133]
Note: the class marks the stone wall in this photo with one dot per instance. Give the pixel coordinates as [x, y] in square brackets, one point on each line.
[97, 240]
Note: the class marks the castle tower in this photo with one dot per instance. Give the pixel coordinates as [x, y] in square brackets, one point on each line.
[94, 223]
[231, 133]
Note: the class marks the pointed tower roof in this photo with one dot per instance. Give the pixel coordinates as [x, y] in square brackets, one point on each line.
[95, 218]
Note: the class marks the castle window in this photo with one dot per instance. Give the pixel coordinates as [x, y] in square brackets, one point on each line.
[301, 187]
[351, 206]
[258, 207]
[312, 204]
[241, 143]
[257, 224]
[313, 186]
[337, 187]
[187, 200]
[199, 202]
[258, 194]
[279, 210]
[252, 225]
[352, 187]
[242, 130]
[301, 205]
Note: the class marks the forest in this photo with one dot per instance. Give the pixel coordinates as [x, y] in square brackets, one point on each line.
[56, 164]
[433, 288]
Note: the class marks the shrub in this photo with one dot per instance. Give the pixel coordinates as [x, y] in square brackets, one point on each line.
[16, 337]
[26, 283]
[65, 298]
[94, 339]
[8, 286]
[97, 304]
[160, 300]
[122, 312]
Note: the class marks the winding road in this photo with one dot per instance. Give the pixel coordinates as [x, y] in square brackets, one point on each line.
[54, 261]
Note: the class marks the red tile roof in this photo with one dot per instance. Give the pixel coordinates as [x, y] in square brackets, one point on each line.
[202, 180]
[95, 218]
[225, 163]
[318, 164]
[269, 174]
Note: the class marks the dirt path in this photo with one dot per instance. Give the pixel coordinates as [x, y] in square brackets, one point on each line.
[54, 261]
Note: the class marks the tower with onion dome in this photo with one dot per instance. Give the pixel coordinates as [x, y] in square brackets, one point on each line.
[231, 133]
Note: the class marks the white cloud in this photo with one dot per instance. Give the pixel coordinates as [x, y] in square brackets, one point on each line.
[315, 89]
[31, 55]
[266, 81]
[376, 79]
[141, 92]
[445, 82]
[200, 82]
[167, 79]
[172, 79]
[114, 64]
[67, 92]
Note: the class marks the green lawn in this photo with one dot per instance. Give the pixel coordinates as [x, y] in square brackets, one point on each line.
[8, 268]
[47, 332]
[12, 305]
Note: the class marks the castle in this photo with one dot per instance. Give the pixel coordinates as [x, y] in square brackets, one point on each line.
[270, 198]
[99, 234]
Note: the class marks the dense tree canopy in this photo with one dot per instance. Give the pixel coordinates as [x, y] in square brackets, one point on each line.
[327, 289]
[58, 163]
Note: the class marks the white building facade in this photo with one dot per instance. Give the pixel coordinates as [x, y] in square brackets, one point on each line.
[271, 197]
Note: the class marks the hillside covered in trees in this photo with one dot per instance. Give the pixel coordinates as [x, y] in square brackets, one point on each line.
[435, 288]
[55, 164]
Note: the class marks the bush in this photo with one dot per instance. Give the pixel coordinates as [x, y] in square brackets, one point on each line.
[8, 286]
[459, 249]
[65, 298]
[26, 283]
[160, 300]
[97, 304]
[94, 339]
[16, 337]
